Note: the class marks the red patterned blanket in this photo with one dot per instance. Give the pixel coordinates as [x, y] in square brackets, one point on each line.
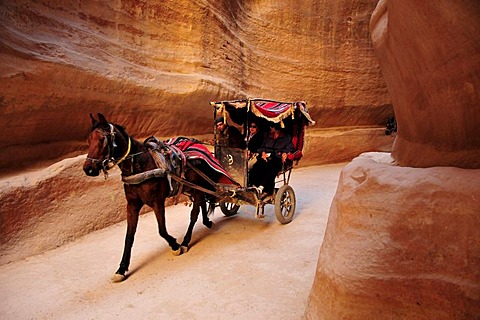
[194, 149]
[272, 110]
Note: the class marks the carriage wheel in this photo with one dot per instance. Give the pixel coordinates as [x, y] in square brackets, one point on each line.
[285, 202]
[228, 208]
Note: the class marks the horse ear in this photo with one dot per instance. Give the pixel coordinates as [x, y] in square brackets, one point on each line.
[94, 121]
[101, 118]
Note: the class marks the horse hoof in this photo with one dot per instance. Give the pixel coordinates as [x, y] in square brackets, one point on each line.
[177, 252]
[184, 249]
[117, 277]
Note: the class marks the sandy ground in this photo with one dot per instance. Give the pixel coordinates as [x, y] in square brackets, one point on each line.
[244, 268]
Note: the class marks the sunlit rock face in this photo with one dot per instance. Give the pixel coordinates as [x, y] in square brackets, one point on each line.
[401, 243]
[45, 209]
[153, 66]
[402, 240]
[429, 53]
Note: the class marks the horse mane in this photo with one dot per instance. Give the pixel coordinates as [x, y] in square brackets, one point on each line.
[121, 129]
[98, 125]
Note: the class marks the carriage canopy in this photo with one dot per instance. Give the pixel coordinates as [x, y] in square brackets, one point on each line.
[292, 116]
[270, 110]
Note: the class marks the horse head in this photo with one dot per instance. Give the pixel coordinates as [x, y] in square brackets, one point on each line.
[107, 143]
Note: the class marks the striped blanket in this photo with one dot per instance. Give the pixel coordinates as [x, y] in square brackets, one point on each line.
[273, 109]
[194, 149]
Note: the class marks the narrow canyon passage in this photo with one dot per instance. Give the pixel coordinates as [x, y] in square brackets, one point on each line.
[243, 269]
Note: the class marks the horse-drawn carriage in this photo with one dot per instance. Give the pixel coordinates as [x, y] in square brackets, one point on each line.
[293, 118]
[154, 170]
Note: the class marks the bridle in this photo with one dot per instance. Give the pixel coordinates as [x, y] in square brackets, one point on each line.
[109, 142]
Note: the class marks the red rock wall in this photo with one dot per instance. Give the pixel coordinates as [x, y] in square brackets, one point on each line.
[402, 240]
[45, 209]
[400, 243]
[153, 66]
[429, 53]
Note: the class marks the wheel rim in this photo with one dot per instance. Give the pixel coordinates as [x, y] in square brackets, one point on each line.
[230, 206]
[286, 204]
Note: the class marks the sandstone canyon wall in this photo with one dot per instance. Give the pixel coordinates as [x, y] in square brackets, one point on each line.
[402, 240]
[430, 57]
[153, 66]
[400, 243]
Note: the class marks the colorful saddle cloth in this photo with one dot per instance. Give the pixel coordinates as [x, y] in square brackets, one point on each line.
[194, 149]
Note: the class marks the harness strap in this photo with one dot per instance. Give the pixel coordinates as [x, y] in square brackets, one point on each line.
[177, 154]
[192, 185]
[126, 153]
[167, 167]
[159, 159]
[142, 176]
[169, 159]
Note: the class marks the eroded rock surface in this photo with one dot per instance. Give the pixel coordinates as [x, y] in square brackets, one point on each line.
[45, 209]
[153, 66]
[42, 210]
[400, 243]
[429, 53]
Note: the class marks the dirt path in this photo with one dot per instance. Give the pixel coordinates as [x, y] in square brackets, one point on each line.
[243, 269]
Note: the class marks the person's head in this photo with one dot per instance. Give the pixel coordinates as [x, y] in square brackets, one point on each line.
[220, 123]
[274, 127]
[253, 127]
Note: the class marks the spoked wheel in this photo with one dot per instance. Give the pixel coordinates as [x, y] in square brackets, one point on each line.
[228, 208]
[285, 202]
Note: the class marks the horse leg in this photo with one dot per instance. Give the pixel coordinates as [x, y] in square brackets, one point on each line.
[207, 210]
[133, 209]
[198, 200]
[159, 209]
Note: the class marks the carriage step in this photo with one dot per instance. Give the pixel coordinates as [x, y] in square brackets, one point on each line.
[260, 216]
[259, 211]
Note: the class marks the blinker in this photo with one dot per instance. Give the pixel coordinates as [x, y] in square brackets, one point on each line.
[112, 134]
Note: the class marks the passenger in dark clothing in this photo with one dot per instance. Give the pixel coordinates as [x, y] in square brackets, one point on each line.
[228, 136]
[254, 141]
[254, 138]
[272, 155]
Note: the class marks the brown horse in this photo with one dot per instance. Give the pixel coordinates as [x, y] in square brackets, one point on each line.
[110, 145]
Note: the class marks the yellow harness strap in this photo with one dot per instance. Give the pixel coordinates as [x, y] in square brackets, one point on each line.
[126, 154]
